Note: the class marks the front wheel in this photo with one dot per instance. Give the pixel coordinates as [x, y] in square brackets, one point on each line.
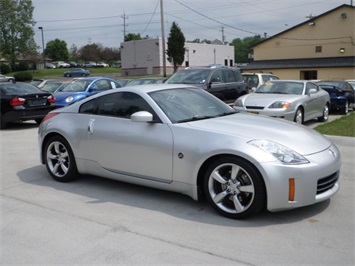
[60, 160]
[325, 116]
[298, 116]
[234, 187]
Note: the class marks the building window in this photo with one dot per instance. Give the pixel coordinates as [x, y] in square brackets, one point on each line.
[318, 49]
[309, 75]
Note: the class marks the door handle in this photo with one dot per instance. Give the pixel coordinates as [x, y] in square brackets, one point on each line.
[91, 126]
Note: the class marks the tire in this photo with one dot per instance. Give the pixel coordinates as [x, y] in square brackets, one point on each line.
[345, 109]
[325, 116]
[234, 187]
[68, 75]
[2, 123]
[59, 160]
[298, 116]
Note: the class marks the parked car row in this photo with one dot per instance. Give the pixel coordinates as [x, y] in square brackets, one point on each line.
[25, 101]
[293, 100]
[63, 64]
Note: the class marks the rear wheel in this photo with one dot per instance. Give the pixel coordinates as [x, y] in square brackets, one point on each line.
[298, 116]
[345, 109]
[60, 160]
[325, 115]
[234, 187]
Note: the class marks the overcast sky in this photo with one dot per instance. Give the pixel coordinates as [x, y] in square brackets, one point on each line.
[81, 22]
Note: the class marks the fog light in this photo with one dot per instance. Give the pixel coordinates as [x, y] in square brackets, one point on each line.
[291, 189]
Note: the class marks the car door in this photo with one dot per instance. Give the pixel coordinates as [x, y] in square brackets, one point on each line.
[137, 149]
[218, 86]
[313, 107]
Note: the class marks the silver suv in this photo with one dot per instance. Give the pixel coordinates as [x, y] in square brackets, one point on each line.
[255, 80]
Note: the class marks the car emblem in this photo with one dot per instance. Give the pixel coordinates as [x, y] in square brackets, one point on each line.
[36, 96]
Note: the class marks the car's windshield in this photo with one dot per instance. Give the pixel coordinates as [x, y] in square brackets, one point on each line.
[189, 104]
[77, 86]
[189, 76]
[18, 88]
[286, 87]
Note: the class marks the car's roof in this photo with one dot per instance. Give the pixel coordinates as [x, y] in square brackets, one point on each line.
[92, 78]
[147, 88]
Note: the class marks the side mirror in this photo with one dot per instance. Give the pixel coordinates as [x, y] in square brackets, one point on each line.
[312, 91]
[142, 116]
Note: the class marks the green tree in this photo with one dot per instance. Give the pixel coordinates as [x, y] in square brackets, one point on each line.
[132, 37]
[16, 29]
[91, 52]
[243, 48]
[57, 50]
[176, 46]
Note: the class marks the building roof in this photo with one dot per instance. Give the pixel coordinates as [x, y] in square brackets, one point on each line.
[312, 19]
[302, 63]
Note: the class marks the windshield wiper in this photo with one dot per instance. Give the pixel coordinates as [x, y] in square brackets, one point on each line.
[195, 118]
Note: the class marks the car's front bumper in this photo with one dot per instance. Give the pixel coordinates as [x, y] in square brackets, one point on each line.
[310, 181]
[276, 113]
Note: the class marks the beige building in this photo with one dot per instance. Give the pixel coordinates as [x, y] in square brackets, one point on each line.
[322, 47]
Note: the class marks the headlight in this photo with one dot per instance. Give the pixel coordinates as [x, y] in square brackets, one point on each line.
[280, 152]
[280, 104]
[238, 103]
[69, 99]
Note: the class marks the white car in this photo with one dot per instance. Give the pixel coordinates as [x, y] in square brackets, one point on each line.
[255, 80]
[62, 64]
[4, 78]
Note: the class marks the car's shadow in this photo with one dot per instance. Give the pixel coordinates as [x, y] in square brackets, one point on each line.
[102, 190]
[20, 126]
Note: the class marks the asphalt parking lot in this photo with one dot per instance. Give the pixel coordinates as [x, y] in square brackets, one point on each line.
[99, 221]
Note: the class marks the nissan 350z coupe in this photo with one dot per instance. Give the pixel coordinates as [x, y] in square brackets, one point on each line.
[183, 139]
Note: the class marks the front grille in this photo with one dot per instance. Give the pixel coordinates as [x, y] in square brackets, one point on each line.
[255, 107]
[327, 183]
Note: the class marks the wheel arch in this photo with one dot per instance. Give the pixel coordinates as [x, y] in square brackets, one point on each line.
[44, 143]
[203, 169]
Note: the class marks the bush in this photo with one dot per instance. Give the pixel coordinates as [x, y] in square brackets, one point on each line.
[4, 69]
[23, 76]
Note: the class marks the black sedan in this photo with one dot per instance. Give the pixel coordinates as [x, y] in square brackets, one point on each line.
[23, 101]
[342, 95]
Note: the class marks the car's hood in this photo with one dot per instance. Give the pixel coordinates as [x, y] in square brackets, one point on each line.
[264, 99]
[60, 96]
[300, 138]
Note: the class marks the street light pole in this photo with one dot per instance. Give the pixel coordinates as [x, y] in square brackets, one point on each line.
[44, 57]
[163, 36]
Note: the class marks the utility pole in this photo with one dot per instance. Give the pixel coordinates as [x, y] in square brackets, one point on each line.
[223, 37]
[124, 25]
[163, 36]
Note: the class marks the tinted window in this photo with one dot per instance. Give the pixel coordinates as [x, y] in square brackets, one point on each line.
[122, 104]
[19, 88]
[230, 76]
[217, 76]
[88, 107]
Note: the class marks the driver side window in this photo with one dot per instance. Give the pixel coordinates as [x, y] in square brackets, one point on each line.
[123, 104]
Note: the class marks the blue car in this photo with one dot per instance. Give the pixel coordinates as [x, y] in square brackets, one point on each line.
[342, 95]
[81, 88]
[77, 72]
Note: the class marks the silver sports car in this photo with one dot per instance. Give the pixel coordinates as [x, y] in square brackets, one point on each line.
[183, 139]
[294, 100]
